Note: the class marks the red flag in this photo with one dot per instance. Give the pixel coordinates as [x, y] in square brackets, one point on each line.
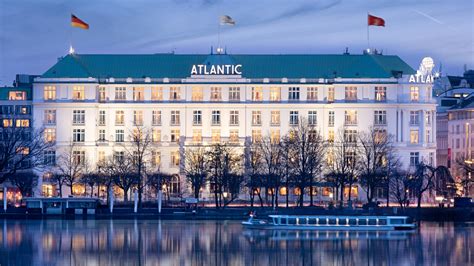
[76, 22]
[375, 21]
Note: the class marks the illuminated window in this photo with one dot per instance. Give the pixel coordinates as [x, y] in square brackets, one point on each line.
[256, 135]
[175, 118]
[175, 134]
[139, 94]
[256, 118]
[294, 118]
[119, 135]
[312, 118]
[275, 136]
[234, 94]
[331, 135]
[294, 94]
[275, 118]
[156, 118]
[216, 94]
[156, 135]
[414, 94]
[119, 118]
[78, 117]
[156, 93]
[330, 94]
[120, 93]
[257, 94]
[49, 93]
[102, 97]
[234, 118]
[175, 94]
[327, 192]
[155, 158]
[138, 118]
[350, 117]
[50, 134]
[414, 118]
[49, 117]
[197, 117]
[22, 123]
[216, 118]
[331, 118]
[197, 94]
[414, 136]
[17, 95]
[22, 109]
[380, 117]
[297, 191]
[216, 135]
[275, 94]
[197, 135]
[351, 93]
[283, 191]
[312, 94]
[101, 157]
[380, 94]
[354, 192]
[78, 93]
[7, 122]
[234, 135]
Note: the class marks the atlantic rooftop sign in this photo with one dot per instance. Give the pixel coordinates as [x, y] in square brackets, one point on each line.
[216, 70]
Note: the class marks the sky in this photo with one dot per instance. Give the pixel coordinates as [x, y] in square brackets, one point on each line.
[34, 34]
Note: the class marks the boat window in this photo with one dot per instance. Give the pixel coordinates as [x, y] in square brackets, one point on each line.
[372, 221]
[352, 221]
[343, 221]
[322, 221]
[332, 221]
[312, 221]
[362, 221]
[396, 221]
[383, 222]
[291, 220]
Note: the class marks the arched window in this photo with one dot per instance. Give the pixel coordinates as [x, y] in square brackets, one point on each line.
[175, 187]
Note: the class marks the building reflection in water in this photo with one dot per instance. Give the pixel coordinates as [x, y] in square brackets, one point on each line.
[170, 242]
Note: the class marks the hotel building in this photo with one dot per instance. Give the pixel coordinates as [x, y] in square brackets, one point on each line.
[94, 101]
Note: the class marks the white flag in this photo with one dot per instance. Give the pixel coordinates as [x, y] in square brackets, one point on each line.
[226, 20]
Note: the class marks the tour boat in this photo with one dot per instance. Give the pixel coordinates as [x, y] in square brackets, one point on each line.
[346, 223]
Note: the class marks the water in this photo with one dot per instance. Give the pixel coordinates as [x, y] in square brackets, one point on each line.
[150, 242]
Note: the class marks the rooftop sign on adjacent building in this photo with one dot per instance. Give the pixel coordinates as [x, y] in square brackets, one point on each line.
[216, 70]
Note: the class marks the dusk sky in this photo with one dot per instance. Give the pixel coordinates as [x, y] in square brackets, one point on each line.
[33, 34]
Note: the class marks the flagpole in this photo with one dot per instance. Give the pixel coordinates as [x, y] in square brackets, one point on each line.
[368, 39]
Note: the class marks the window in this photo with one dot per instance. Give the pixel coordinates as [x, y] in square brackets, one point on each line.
[414, 158]
[351, 94]
[275, 94]
[216, 135]
[120, 94]
[350, 117]
[50, 134]
[428, 118]
[293, 118]
[79, 157]
[156, 135]
[414, 94]
[196, 95]
[256, 118]
[119, 156]
[414, 136]
[78, 135]
[78, 93]
[175, 135]
[22, 122]
[138, 118]
[17, 95]
[175, 118]
[156, 118]
[380, 118]
[49, 117]
[197, 117]
[257, 94]
[234, 118]
[428, 136]
[294, 94]
[331, 94]
[234, 135]
[350, 135]
[312, 94]
[197, 135]
[216, 94]
[78, 117]
[7, 122]
[138, 94]
[50, 158]
[101, 91]
[22, 110]
[216, 118]
[312, 118]
[119, 118]
[175, 94]
[256, 135]
[102, 117]
[331, 119]
[49, 93]
[101, 134]
[7, 109]
[331, 135]
[156, 93]
[234, 94]
[155, 158]
[414, 118]
[275, 136]
[175, 158]
[380, 94]
[119, 135]
[275, 118]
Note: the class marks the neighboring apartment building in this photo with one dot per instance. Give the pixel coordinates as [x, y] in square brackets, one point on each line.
[95, 100]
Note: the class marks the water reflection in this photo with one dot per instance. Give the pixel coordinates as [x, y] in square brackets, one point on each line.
[146, 242]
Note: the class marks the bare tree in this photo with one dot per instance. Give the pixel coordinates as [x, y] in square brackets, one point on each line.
[195, 169]
[375, 145]
[424, 179]
[60, 181]
[466, 167]
[90, 177]
[21, 148]
[399, 182]
[71, 164]
[123, 173]
[25, 182]
[253, 172]
[158, 179]
[272, 153]
[307, 148]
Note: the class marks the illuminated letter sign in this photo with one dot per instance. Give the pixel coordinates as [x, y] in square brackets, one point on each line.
[419, 78]
[216, 70]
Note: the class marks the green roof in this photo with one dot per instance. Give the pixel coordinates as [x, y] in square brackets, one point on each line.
[253, 66]
[4, 92]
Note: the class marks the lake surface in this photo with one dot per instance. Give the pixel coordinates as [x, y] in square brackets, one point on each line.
[172, 242]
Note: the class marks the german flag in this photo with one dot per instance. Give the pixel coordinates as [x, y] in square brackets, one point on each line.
[76, 22]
